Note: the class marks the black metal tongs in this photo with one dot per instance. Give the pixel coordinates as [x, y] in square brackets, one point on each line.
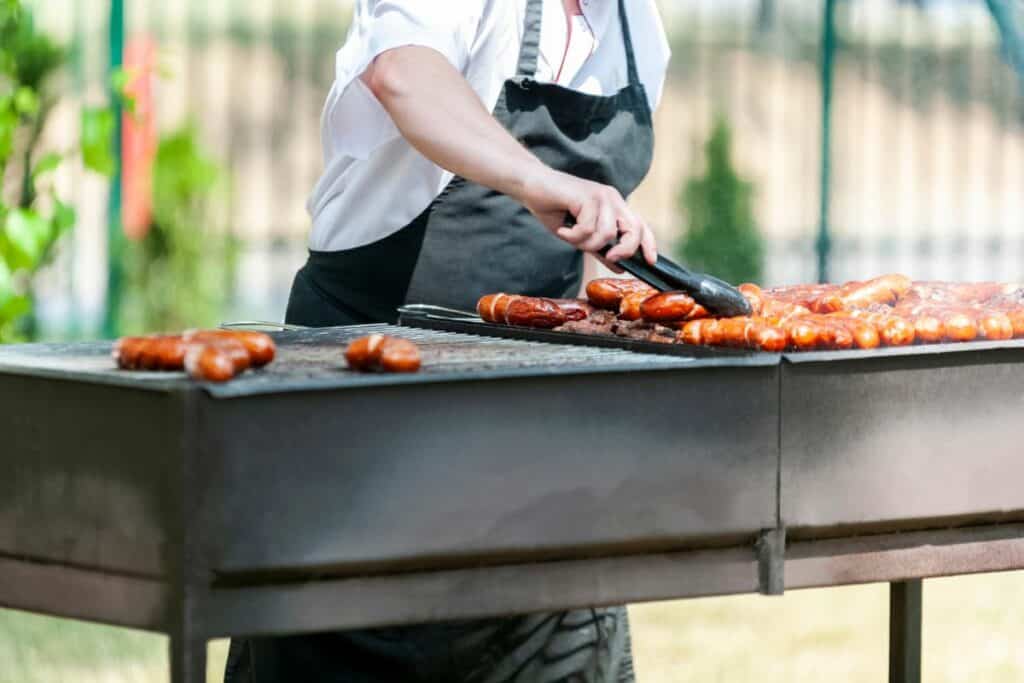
[718, 296]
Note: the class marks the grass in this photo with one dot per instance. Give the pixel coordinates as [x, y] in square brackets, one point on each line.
[973, 632]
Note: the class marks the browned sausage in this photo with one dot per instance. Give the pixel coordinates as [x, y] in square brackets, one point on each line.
[1017, 320]
[995, 326]
[629, 307]
[157, 352]
[493, 307]
[528, 311]
[608, 292]
[399, 355]
[897, 331]
[959, 327]
[574, 309]
[379, 352]
[667, 307]
[881, 290]
[865, 335]
[754, 296]
[692, 332]
[211, 361]
[802, 334]
[259, 346]
[928, 329]
[769, 338]
[126, 352]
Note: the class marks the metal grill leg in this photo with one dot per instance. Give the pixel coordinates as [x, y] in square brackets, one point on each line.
[905, 632]
[188, 660]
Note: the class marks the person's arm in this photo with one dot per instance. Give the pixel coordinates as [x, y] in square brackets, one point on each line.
[440, 115]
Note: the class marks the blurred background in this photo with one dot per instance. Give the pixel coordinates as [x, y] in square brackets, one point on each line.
[156, 159]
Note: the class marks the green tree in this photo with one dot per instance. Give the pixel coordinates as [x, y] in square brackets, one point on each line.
[179, 274]
[32, 216]
[722, 238]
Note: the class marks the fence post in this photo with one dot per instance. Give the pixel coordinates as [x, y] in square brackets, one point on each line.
[115, 236]
[824, 242]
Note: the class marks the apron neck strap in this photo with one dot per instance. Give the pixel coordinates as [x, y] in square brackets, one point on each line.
[530, 50]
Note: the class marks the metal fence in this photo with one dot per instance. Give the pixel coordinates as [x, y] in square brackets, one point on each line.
[927, 142]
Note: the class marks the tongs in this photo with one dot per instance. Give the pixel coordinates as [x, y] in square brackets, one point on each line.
[718, 296]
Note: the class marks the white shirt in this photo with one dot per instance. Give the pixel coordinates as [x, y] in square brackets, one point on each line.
[374, 182]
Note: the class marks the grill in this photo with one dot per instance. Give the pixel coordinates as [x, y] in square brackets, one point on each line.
[304, 496]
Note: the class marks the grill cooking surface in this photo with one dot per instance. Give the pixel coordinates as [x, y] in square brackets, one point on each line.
[314, 359]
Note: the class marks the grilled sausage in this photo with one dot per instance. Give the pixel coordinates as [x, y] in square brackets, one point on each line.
[959, 327]
[928, 329]
[881, 290]
[769, 338]
[574, 309]
[259, 346]
[527, 311]
[379, 352]
[608, 292]
[1017, 321]
[212, 361]
[692, 332]
[995, 326]
[157, 352]
[630, 306]
[399, 355]
[754, 296]
[492, 308]
[667, 307]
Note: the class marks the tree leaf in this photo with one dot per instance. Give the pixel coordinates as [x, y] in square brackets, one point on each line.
[25, 237]
[63, 219]
[26, 101]
[97, 138]
[47, 164]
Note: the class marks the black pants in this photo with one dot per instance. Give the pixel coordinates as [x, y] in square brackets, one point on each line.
[580, 646]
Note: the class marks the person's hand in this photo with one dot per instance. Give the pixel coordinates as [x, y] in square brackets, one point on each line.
[602, 215]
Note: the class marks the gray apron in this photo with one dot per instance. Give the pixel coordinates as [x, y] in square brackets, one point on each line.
[469, 242]
[472, 240]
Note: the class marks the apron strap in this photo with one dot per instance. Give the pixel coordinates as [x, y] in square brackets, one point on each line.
[530, 49]
[627, 39]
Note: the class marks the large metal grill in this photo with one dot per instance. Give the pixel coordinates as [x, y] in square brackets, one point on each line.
[304, 496]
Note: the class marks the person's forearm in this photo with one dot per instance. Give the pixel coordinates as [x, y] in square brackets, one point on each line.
[440, 115]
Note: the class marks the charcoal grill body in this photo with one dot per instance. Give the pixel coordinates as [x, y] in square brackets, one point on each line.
[510, 477]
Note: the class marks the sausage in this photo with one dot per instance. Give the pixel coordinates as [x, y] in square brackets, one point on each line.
[886, 289]
[754, 296]
[698, 312]
[692, 333]
[126, 352]
[959, 327]
[769, 338]
[865, 335]
[379, 352]
[211, 361]
[667, 307]
[259, 346]
[526, 311]
[897, 331]
[574, 309]
[1017, 321]
[493, 307]
[802, 334]
[995, 326]
[157, 352]
[608, 292]
[928, 329]
[629, 307]
[364, 353]
[399, 355]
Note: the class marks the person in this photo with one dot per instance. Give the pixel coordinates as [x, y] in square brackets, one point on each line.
[459, 137]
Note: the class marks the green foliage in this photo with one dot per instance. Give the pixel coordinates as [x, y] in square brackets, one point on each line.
[32, 219]
[723, 238]
[179, 274]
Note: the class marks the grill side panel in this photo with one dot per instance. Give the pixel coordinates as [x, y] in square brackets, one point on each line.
[422, 476]
[907, 442]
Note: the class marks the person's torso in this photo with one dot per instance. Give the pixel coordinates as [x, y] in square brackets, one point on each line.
[368, 165]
